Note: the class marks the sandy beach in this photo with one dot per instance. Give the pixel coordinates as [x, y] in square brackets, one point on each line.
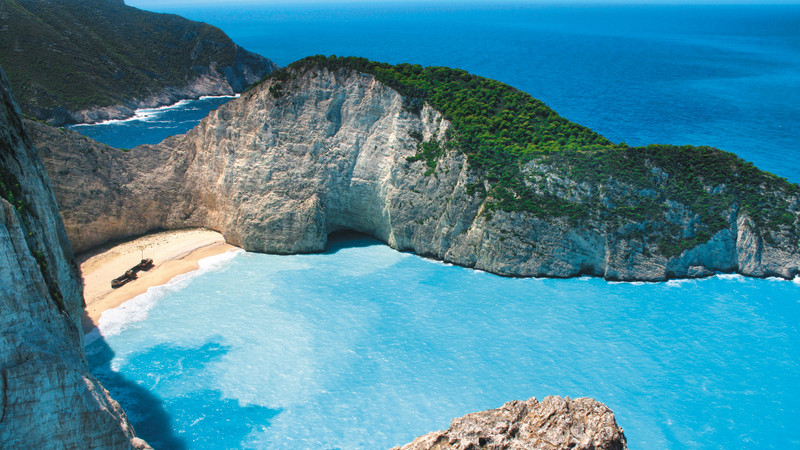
[173, 253]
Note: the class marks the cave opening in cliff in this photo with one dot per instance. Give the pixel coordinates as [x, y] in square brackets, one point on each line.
[348, 238]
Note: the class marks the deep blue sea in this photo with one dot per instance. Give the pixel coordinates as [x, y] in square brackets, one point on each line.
[365, 347]
[152, 125]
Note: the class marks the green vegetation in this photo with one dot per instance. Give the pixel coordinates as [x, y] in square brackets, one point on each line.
[538, 162]
[430, 151]
[10, 189]
[93, 53]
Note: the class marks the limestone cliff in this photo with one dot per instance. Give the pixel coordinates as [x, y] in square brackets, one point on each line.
[317, 149]
[554, 423]
[48, 398]
[92, 60]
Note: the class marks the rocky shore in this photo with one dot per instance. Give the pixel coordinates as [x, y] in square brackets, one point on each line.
[553, 423]
[95, 60]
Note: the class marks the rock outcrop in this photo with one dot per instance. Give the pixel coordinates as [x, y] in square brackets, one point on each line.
[48, 398]
[93, 60]
[554, 423]
[320, 150]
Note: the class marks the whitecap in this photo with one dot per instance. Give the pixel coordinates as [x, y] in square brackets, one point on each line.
[630, 283]
[731, 277]
[148, 114]
[677, 283]
[437, 262]
[207, 97]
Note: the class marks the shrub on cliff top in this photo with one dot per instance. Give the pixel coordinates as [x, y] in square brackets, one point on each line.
[518, 145]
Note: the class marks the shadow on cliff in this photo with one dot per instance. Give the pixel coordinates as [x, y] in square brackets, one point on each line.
[342, 239]
[145, 411]
[194, 409]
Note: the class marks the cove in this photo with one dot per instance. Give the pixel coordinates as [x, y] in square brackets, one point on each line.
[366, 347]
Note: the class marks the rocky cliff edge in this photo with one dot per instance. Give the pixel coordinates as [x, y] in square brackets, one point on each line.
[93, 60]
[553, 423]
[48, 398]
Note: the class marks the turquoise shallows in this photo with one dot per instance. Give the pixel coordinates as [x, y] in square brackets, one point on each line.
[367, 347]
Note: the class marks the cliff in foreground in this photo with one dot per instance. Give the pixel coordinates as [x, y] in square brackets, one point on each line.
[92, 60]
[553, 423]
[438, 162]
[48, 398]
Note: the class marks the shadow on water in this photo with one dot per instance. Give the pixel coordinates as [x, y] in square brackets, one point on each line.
[145, 411]
[339, 240]
[192, 413]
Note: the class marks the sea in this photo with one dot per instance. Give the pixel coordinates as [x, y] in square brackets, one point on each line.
[364, 347]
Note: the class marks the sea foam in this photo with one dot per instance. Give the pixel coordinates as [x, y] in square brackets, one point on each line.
[149, 114]
[115, 320]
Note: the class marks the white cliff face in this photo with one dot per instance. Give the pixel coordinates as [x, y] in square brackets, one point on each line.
[332, 155]
[48, 398]
[295, 159]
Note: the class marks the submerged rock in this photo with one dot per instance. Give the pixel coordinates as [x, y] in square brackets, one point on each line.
[554, 423]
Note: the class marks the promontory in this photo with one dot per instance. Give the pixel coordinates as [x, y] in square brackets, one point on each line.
[436, 161]
[85, 61]
[48, 397]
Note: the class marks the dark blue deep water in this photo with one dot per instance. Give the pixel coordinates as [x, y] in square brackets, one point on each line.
[724, 76]
[364, 347]
[151, 126]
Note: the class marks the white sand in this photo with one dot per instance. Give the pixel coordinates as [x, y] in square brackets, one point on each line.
[172, 252]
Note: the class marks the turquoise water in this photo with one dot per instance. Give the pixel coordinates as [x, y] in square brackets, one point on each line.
[366, 347]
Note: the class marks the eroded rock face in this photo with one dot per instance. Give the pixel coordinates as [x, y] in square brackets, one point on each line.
[49, 399]
[554, 423]
[291, 161]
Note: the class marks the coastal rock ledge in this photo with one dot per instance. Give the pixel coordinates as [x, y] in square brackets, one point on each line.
[554, 423]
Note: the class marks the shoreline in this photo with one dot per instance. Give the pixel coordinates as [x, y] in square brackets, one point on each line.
[173, 253]
[143, 113]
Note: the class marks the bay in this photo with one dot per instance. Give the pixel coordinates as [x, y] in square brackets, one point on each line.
[366, 347]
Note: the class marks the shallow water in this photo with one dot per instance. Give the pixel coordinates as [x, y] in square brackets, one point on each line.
[366, 347]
